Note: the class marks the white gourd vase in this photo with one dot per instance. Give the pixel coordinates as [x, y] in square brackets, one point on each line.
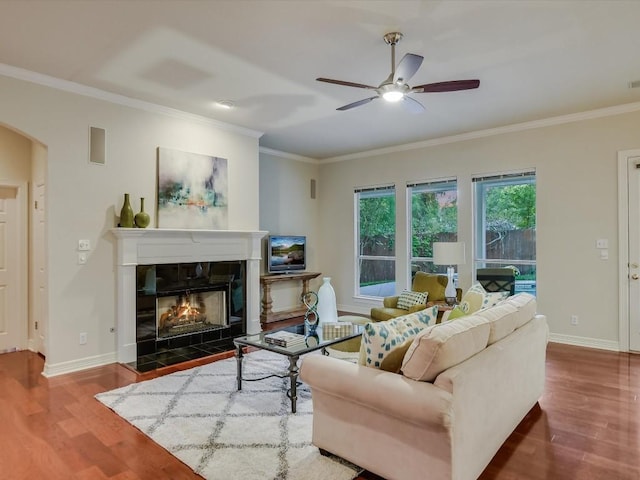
[327, 308]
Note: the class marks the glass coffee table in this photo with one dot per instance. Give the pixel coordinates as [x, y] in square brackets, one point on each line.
[319, 340]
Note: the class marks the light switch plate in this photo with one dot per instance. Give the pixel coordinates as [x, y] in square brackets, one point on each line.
[84, 245]
[602, 243]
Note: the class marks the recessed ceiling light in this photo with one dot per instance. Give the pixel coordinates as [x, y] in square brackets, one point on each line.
[226, 104]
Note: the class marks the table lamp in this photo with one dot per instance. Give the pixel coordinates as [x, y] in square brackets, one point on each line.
[450, 254]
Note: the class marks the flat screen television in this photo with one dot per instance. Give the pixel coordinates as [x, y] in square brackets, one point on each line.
[286, 253]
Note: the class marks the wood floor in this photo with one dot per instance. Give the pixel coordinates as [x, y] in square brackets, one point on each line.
[586, 427]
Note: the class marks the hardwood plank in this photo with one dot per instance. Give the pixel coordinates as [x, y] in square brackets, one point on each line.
[586, 426]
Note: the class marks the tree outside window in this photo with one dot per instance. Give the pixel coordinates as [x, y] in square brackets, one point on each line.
[376, 216]
[434, 218]
[506, 226]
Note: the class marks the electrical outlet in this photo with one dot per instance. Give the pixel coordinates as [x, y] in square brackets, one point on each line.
[83, 338]
[82, 258]
[84, 245]
[574, 319]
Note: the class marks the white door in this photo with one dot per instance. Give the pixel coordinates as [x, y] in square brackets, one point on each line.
[12, 322]
[633, 178]
[40, 283]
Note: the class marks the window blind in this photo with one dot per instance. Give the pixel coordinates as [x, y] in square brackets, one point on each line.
[379, 188]
[433, 183]
[504, 176]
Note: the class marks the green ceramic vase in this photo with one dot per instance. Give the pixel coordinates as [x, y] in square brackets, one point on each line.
[126, 214]
[142, 217]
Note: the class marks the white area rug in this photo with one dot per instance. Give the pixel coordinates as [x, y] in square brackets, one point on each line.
[200, 417]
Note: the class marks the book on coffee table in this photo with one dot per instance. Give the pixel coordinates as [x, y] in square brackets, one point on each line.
[284, 339]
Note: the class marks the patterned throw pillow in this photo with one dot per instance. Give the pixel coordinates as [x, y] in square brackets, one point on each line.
[475, 299]
[491, 299]
[408, 299]
[384, 343]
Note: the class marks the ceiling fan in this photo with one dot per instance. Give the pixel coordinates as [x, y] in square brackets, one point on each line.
[395, 87]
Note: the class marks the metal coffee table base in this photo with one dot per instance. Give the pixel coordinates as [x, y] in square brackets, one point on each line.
[294, 371]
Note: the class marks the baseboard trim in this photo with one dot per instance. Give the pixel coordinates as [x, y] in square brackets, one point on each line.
[585, 342]
[52, 370]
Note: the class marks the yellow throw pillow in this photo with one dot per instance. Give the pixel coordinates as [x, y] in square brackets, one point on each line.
[476, 299]
[384, 343]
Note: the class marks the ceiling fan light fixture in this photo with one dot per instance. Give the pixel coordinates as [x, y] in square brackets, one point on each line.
[395, 88]
[393, 96]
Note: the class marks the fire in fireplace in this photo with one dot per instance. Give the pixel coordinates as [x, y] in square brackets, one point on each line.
[190, 312]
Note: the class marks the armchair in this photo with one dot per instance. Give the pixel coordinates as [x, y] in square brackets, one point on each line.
[433, 283]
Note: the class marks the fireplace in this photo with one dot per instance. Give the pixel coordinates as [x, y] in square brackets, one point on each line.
[190, 312]
[187, 310]
[162, 269]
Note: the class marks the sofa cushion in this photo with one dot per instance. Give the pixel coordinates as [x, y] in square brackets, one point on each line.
[408, 299]
[502, 320]
[526, 305]
[442, 346]
[474, 299]
[384, 343]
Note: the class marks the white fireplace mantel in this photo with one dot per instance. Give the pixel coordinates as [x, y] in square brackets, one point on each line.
[137, 246]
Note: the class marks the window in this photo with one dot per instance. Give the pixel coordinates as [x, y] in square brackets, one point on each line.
[505, 225]
[434, 218]
[376, 241]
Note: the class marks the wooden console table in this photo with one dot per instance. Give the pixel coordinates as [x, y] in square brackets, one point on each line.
[266, 281]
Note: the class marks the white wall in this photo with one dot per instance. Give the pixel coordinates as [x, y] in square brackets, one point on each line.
[83, 199]
[286, 208]
[577, 204]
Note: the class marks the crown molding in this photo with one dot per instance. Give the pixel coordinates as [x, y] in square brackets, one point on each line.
[288, 156]
[79, 89]
[490, 132]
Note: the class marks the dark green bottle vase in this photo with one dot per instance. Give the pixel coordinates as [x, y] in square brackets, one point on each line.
[142, 218]
[126, 214]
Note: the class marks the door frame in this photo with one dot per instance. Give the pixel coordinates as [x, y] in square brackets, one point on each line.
[623, 247]
[22, 275]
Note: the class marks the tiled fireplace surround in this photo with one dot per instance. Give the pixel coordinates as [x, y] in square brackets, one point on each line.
[164, 246]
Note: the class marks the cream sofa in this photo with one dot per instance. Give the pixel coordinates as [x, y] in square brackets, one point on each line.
[464, 387]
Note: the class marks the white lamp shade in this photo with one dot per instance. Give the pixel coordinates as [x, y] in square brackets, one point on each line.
[448, 253]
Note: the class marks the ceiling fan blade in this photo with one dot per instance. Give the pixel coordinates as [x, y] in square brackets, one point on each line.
[450, 86]
[346, 84]
[356, 104]
[407, 67]
[412, 105]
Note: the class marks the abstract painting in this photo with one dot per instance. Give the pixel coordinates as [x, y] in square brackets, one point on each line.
[192, 191]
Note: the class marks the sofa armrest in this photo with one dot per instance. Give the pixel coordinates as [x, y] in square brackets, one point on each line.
[390, 302]
[391, 394]
[417, 308]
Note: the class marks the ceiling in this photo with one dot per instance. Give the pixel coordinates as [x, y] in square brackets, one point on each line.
[535, 59]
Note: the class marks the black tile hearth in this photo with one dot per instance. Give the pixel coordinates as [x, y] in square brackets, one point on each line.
[165, 356]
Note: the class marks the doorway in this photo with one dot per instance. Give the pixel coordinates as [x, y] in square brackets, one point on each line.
[23, 276]
[629, 248]
[13, 268]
